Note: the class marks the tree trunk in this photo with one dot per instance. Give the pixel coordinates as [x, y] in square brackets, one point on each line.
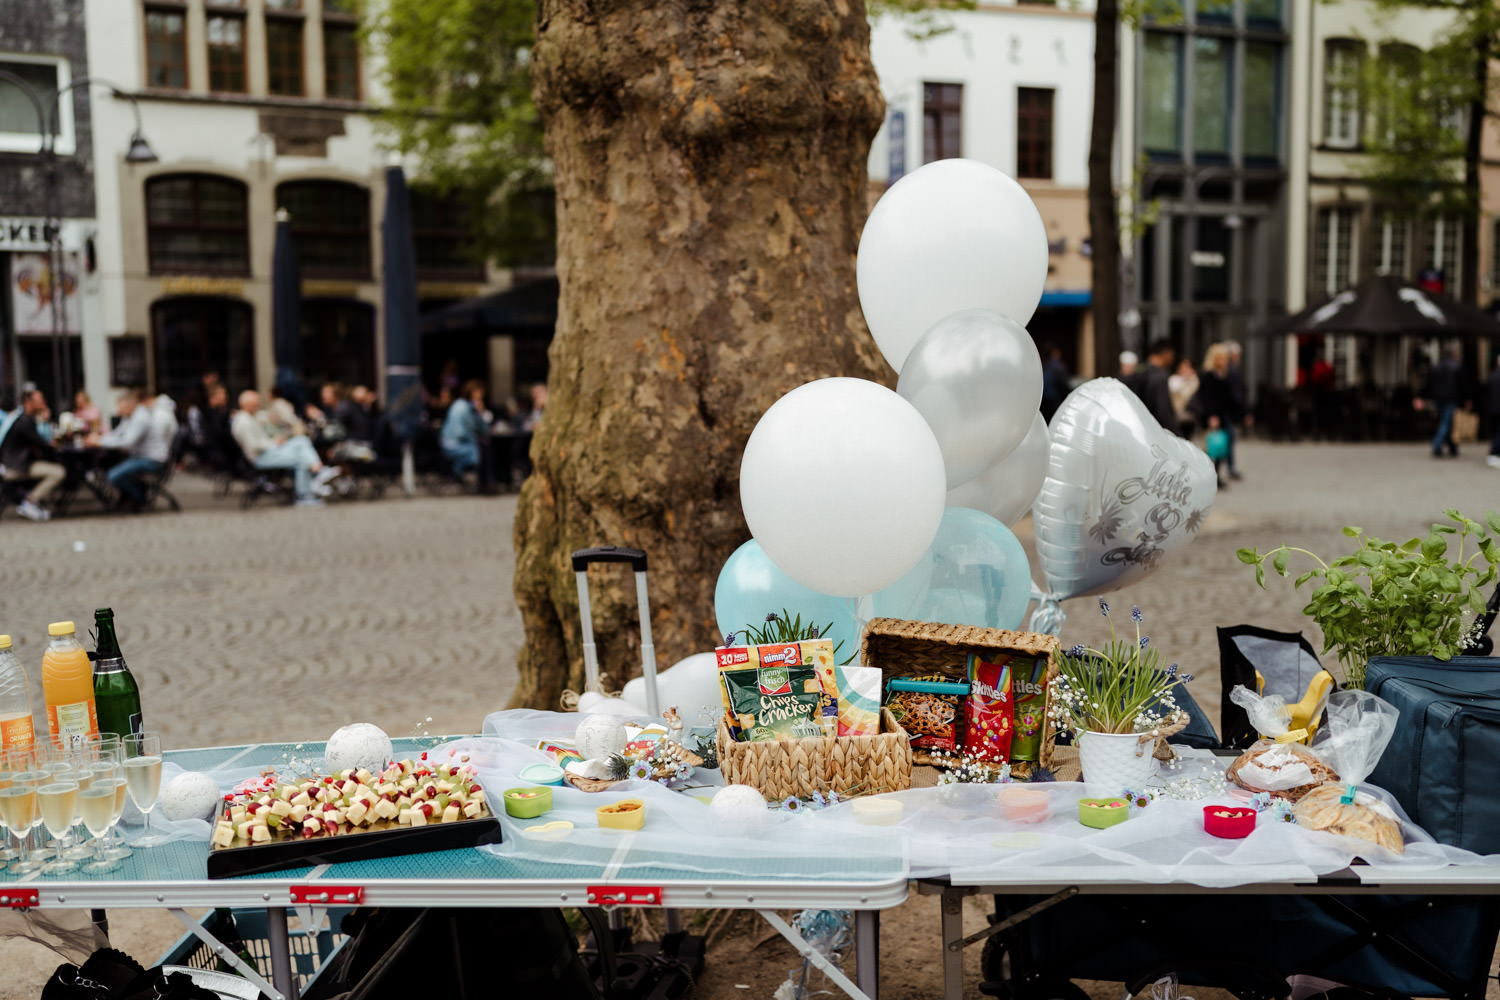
[1104, 218]
[710, 168]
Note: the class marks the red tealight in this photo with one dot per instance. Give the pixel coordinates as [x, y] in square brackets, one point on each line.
[1228, 822]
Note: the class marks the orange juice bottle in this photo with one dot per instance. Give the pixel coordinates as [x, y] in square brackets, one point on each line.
[68, 686]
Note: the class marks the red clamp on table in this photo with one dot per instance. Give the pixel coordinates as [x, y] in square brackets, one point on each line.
[17, 898]
[352, 895]
[625, 895]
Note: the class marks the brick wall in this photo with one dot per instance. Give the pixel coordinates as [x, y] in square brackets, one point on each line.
[49, 27]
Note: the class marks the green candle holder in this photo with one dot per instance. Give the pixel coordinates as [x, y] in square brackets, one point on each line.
[1101, 814]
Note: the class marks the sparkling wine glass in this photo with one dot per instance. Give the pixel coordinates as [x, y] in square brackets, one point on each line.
[57, 801]
[7, 853]
[97, 804]
[112, 846]
[85, 753]
[143, 780]
[18, 812]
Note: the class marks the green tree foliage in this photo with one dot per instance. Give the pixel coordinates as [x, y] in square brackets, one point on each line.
[459, 99]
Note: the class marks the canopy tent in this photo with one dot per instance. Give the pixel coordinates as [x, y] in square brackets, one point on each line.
[286, 312]
[1387, 306]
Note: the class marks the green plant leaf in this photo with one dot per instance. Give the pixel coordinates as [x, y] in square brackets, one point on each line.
[1493, 520]
[1247, 556]
[1444, 529]
[1260, 575]
[1304, 578]
[1353, 532]
[1280, 561]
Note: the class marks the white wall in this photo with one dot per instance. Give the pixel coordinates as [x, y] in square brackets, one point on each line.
[992, 51]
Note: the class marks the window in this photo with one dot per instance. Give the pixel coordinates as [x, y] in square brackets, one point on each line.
[199, 334]
[1442, 242]
[942, 117]
[1399, 95]
[1263, 13]
[1161, 93]
[1393, 243]
[1034, 132]
[226, 53]
[284, 56]
[166, 49]
[283, 4]
[1262, 97]
[1212, 93]
[1343, 65]
[21, 127]
[442, 238]
[1215, 11]
[330, 227]
[196, 223]
[338, 342]
[1334, 249]
[340, 61]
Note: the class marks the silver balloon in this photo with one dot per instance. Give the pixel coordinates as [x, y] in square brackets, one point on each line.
[1006, 489]
[976, 378]
[1121, 494]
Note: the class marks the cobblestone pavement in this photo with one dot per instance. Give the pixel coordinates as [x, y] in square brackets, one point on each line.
[285, 623]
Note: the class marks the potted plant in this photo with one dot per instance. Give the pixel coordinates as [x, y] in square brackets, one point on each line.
[1386, 599]
[1115, 700]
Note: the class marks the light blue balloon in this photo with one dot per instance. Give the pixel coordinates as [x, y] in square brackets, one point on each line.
[975, 573]
[751, 586]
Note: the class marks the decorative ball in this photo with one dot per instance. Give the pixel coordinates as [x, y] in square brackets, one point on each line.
[599, 736]
[358, 745]
[737, 810]
[190, 795]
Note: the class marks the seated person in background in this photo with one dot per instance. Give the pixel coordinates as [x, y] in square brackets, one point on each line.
[281, 452]
[25, 454]
[353, 413]
[138, 436]
[216, 427]
[465, 428]
[280, 417]
[86, 413]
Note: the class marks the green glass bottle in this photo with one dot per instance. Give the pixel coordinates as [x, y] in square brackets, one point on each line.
[116, 697]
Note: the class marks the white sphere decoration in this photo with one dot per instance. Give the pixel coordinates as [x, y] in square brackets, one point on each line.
[358, 745]
[738, 810]
[599, 736]
[190, 795]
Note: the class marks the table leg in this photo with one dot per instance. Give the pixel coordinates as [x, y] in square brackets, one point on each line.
[953, 946]
[281, 953]
[867, 950]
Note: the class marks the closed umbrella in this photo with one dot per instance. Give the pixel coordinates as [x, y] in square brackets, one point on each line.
[403, 387]
[286, 312]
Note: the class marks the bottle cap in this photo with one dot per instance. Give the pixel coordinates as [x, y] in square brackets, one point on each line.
[60, 628]
[4, 642]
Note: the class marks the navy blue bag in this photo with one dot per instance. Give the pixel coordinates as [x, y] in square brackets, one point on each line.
[1442, 760]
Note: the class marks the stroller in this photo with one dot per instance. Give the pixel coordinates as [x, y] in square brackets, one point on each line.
[1254, 946]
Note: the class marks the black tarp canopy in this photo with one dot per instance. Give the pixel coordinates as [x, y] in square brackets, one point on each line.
[1387, 306]
[528, 307]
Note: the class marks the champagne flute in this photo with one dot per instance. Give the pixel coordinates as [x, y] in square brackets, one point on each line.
[7, 853]
[143, 780]
[18, 812]
[112, 847]
[86, 753]
[57, 801]
[97, 805]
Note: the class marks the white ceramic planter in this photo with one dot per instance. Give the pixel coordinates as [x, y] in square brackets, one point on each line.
[1115, 760]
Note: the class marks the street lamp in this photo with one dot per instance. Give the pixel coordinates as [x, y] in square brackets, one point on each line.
[139, 152]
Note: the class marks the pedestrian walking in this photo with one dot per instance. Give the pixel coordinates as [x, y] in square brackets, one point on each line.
[1155, 391]
[1492, 406]
[1444, 390]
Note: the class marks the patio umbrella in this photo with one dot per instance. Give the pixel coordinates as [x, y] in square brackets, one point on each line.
[286, 312]
[1388, 306]
[403, 389]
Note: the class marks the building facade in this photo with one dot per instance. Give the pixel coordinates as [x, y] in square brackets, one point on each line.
[252, 106]
[1011, 85]
[42, 42]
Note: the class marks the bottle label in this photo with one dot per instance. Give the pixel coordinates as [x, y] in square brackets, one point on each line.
[111, 665]
[16, 733]
[75, 721]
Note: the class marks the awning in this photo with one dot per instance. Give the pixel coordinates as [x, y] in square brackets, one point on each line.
[1063, 299]
[1388, 306]
[532, 306]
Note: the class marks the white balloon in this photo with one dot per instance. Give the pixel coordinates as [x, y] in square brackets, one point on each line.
[1006, 489]
[951, 235]
[976, 378]
[360, 744]
[842, 484]
[690, 684]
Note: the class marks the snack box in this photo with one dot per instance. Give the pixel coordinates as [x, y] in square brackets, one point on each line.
[816, 653]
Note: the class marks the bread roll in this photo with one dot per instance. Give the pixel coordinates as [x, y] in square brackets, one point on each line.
[1267, 758]
[1321, 809]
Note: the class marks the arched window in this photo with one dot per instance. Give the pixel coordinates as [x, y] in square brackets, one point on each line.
[330, 227]
[442, 238]
[197, 224]
[338, 342]
[197, 334]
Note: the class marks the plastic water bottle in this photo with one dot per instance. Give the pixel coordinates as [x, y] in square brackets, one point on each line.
[15, 701]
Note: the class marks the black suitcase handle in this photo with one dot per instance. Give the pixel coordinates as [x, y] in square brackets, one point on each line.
[609, 553]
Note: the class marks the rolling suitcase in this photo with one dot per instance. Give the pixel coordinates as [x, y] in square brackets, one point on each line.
[582, 559]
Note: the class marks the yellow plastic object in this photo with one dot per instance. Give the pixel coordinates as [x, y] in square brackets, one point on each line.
[1305, 713]
[626, 814]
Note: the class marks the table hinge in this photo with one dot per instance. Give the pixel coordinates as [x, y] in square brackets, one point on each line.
[20, 899]
[624, 895]
[350, 895]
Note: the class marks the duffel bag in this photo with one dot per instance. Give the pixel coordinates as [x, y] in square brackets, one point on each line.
[1442, 761]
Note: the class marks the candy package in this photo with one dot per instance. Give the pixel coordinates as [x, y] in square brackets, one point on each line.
[932, 719]
[987, 710]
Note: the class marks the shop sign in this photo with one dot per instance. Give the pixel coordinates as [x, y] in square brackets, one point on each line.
[201, 284]
[1207, 258]
[34, 295]
[25, 233]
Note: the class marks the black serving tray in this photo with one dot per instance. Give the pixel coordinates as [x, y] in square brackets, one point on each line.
[358, 845]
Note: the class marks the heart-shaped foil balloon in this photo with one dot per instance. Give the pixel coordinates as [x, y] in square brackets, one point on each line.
[1121, 494]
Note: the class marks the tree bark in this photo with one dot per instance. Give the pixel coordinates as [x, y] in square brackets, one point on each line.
[1104, 217]
[710, 169]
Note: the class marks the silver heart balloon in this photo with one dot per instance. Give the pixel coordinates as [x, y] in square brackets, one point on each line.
[1121, 494]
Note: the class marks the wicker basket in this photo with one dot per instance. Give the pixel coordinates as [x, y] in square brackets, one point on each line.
[847, 765]
[903, 648]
